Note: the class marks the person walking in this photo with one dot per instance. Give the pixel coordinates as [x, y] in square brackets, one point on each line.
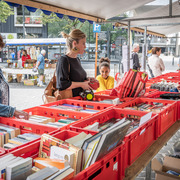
[40, 66]
[155, 62]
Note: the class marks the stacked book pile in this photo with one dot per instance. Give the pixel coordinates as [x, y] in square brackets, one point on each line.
[10, 137]
[75, 108]
[41, 119]
[62, 122]
[153, 107]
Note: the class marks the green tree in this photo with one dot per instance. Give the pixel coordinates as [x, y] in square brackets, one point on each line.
[6, 11]
[56, 24]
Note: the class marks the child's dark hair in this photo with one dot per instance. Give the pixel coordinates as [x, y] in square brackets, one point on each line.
[104, 62]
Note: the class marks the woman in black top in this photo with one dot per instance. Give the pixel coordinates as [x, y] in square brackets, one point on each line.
[70, 74]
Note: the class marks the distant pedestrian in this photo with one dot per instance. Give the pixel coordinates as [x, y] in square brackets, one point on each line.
[135, 57]
[13, 55]
[40, 66]
[155, 62]
[25, 56]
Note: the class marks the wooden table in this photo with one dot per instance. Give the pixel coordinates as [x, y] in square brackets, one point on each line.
[133, 170]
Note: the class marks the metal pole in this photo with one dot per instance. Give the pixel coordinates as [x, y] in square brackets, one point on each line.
[129, 53]
[23, 21]
[145, 50]
[170, 8]
[89, 43]
[96, 55]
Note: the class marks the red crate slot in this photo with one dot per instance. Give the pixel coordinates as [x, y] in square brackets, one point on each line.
[25, 127]
[56, 113]
[111, 166]
[168, 115]
[83, 104]
[147, 132]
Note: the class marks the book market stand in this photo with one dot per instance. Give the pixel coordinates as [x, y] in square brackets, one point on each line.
[140, 145]
[118, 163]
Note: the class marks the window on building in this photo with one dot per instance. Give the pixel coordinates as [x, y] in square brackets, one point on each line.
[31, 19]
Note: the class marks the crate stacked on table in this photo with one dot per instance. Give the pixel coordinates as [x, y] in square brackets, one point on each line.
[101, 110]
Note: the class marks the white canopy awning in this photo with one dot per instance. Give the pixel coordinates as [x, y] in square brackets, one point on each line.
[87, 9]
[36, 42]
[160, 12]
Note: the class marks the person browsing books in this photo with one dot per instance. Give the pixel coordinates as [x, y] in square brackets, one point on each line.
[105, 81]
[155, 62]
[25, 56]
[69, 72]
[5, 109]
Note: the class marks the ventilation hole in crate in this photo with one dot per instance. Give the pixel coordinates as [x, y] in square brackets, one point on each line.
[95, 174]
[114, 159]
[45, 113]
[14, 125]
[107, 165]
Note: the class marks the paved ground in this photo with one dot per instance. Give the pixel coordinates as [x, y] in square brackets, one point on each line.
[23, 97]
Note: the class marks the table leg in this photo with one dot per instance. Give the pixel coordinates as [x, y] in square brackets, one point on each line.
[148, 171]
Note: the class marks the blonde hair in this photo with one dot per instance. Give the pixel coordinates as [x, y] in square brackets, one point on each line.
[74, 35]
[104, 62]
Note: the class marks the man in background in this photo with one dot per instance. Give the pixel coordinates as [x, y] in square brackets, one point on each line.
[135, 57]
[40, 67]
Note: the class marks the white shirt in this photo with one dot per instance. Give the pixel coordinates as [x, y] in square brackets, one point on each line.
[156, 64]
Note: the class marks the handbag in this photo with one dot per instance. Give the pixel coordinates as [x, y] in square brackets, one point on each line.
[52, 94]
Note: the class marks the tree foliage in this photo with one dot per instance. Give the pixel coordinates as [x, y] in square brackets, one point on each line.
[56, 25]
[6, 11]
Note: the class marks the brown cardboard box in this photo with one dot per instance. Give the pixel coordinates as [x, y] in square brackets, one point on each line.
[30, 82]
[19, 78]
[169, 163]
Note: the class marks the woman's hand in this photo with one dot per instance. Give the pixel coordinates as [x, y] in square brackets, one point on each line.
[85, 85]
[21, 114]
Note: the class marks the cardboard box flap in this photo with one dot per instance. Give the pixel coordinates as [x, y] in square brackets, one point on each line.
[156, 165]
[172, 163]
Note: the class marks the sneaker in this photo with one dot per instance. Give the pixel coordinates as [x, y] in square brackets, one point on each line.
[41, 85]
[38, 84]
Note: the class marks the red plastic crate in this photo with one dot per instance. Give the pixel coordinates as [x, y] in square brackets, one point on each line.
[132, 140]
[96, 98]
[168, 116]
[56, 113]
[149, 92]
[108, 167]
[84, 104]
[157, 94]
[26, 127]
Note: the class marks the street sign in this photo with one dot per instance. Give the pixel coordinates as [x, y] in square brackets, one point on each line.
[96, 28]
[113, 46]
[102, 35]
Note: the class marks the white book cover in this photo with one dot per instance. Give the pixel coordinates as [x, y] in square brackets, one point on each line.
[76, 138]
[62, 154]
[93, 127]
[3, 167]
